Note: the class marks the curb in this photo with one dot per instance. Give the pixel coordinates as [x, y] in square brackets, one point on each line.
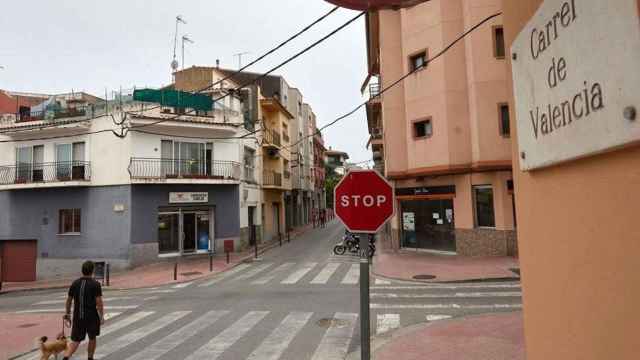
[471, 280]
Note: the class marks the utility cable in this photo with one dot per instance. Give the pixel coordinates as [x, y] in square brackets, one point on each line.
[384, 90]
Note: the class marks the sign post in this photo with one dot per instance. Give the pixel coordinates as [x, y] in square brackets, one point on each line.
[364, 202]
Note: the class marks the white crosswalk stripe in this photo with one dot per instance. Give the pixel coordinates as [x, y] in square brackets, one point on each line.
[447, 306]
[130, 338]
[352, 275]
[178, 337]
[59, 310]
[335, 342]
[112, 299]
[219, 344]
[382, 282]
[254, 272]
[441, 296]
[182, 286]
[277, 342]
[225, 275]
[437, 317]
[448, 287]
[326, 273]
[271, 275]
[299, 274]
[386, 322]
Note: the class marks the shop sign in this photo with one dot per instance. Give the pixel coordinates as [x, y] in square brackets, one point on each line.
[575, 73]
[426, 190]
[188, 197]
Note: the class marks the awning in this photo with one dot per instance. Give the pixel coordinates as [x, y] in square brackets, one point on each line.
[174, 98]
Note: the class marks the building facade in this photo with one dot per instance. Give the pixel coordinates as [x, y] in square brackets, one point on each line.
[442, 135]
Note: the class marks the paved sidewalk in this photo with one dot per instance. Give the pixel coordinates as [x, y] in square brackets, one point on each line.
[158, 274]
[404, 265]
[484, 337]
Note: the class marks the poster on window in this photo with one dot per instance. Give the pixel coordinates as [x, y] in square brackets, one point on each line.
[409, 221]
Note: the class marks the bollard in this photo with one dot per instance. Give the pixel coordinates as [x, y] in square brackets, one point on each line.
[210, 261]
[107, 270]
[175, 271]
[227, 257]
[289, 235]
[255, 247]
[280, 238]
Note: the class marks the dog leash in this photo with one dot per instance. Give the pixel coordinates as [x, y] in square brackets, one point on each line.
[66, 323]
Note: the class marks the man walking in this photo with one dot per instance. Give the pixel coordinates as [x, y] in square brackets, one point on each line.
[88, 311]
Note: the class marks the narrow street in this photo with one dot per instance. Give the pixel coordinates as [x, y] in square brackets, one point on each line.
[297, 302]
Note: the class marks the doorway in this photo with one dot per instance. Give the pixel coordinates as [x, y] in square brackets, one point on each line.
[276, 219]
[184, 231]
[428, 224]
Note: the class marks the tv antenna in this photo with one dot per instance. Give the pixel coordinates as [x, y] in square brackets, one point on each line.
[239, 55]
[174, 62]
[185, 39]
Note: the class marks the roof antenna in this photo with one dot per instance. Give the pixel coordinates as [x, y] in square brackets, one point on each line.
[174, 62]
[239, 55]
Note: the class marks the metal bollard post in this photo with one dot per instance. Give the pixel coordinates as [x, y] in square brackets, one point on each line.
[288, 235]
[280, 238]
[255, 247]
[107, 275]
[210, 261]
[175, 271]
[365, 332]
[227, 257]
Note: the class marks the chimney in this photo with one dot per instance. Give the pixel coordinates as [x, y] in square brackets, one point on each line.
[217, 63]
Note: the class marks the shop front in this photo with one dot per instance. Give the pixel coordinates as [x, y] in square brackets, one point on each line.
[185, 230]
[427, 218]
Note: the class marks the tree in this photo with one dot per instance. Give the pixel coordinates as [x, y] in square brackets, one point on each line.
[332, 179]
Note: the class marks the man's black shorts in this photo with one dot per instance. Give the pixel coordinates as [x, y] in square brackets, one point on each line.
[83, 327]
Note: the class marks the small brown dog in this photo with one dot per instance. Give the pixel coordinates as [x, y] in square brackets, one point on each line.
[53, 347]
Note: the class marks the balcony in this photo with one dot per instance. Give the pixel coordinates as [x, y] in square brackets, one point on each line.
[271, 178]
[374, 91]
[272, 137]
[287, 175]
[177, 169]
[45, 173]
[285, 137]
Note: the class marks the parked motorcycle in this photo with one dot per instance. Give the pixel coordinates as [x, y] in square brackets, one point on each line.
[351, 243]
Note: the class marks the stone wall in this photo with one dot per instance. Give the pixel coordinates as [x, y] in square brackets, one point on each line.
[485, 242]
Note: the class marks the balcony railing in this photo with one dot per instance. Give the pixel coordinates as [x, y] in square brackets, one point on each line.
[29, 173]
[374, 90]
[52, 114]
[287, 175]
[250, 174]
[163, 169]
[272, 137]
[271, 178]
[285, 137]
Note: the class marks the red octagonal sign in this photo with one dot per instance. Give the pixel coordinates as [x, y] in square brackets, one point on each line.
[364, 200]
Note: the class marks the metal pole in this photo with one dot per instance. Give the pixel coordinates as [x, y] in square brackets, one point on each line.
[280, 238]
[288, 235]
[365, 334]
[255, 242]
[227, 257]
[108, 270]
[175, 271]
[210, 261]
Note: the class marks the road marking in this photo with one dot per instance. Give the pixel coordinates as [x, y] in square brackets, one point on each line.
[110, 315]
[382, 282]
[446, 306]
[299, 274]
[128, 339]
[165, 291]
[125, 322]
[219, 344]
[178, 337]
[225, 275]
[53, 302]
[324, 275]
[352, 275]
[276, 343]
[448, 287]
[271, 275]
[58, 310]
[335, 342]
[254, 272]
[182, 286]
[386, 322]
[444, 296]
[438, 317]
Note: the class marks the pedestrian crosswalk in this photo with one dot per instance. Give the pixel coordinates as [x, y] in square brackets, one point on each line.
[291, 273]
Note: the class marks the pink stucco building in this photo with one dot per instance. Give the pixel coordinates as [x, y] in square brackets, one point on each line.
[442, 135]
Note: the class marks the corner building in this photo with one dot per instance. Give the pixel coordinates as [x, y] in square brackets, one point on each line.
[442, 136]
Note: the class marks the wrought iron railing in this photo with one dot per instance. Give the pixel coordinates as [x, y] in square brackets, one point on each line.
[287, 174]
[271, 178]
[52, 114]
[29, 173]
[146, 168]
[272, 137]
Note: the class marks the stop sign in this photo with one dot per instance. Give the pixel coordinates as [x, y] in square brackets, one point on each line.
[364, 200]
[374, 4]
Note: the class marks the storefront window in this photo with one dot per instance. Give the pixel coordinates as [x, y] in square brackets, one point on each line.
[485, 216]
[428, 224]
[168, 233]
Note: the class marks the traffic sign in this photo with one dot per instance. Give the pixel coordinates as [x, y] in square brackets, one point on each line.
[374, 4]
[364, 201]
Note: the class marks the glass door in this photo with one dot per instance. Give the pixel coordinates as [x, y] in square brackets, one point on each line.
[168, 233]
[203, 231]
[189, 228]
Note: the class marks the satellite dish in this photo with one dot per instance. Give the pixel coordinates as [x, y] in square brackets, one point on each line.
[174, 65]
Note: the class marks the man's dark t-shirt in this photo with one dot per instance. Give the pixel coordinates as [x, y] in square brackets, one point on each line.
[84, 292]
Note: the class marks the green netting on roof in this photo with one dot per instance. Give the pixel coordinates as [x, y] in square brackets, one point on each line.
[174, 98]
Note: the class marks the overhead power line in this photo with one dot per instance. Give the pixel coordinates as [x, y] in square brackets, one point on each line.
[382, 91]
[262, 76]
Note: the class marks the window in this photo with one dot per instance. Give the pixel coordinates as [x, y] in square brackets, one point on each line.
[70, 161]
[187, 159]
[69, 221]
[29, 163]
[483, 197]
[498, 42]
[422, 129]
[249, 165]
[505, 130]
[418, 61]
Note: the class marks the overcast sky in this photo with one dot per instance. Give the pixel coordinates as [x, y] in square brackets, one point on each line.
[57, 46]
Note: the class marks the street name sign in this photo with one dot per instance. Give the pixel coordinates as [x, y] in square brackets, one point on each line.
[576, 80]
[364, 201]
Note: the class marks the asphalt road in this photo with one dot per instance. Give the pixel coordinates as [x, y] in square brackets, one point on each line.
[298, 302]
